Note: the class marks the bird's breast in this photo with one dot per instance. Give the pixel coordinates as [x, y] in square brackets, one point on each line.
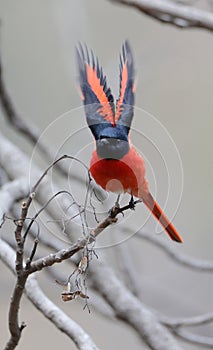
[124, 175]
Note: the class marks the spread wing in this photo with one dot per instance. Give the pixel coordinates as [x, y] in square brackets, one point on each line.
[97, 97]
[125, 102]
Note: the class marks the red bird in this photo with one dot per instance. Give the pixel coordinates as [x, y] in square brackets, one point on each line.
[115, 164]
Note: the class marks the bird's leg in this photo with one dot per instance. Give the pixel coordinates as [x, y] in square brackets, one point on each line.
[132, 202]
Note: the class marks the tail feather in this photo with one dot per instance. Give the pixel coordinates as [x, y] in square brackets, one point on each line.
[156, 210]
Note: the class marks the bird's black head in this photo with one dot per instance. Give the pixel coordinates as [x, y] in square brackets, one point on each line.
[112, 142]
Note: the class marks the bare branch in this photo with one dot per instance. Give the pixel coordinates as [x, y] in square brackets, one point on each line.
[127, 269]
[8, 255]
[111, 218]
[173, 323]
[10, 193]
[11, 156]
[33, 219]
[21, 271]
[58, 317]
[9, 110]
[58, 257]
[177, 324]
[192, 263]
[28, 129]
[14, 327]
[15, 162]
[143, 321]
[189, 321]
[64, 254]
[46, 237]
[129, 309]
[166, 11]
[122, 303]
[194, 338]
[3, 177]
[32, 254]
[50, 310]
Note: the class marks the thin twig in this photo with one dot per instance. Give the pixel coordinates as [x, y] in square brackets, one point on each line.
[32, 254]
[43, 208]
[55, 162]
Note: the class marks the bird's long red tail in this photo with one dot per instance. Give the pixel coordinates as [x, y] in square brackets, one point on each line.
[156, 210]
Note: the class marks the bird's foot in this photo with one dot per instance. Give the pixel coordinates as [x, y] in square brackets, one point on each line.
[132, 203]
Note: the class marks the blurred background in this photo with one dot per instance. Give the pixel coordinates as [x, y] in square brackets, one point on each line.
[173, 116]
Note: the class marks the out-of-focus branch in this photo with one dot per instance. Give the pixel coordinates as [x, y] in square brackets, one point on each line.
[23, 271]
[82, 340]
[129, 309]
[189, 262]
[95, 299]
[10, 193]
[189, 321]
[171, 12]
[124, 304]
[11, 152]
[17, 165]
[3, 177]
[28, 129]
[177, 325]
[7, 106]
[194, 338]
[147, 325]
[66, 253]
[123, 254]
[47, 307]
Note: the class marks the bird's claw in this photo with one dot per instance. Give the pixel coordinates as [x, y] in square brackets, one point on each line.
[132, 203]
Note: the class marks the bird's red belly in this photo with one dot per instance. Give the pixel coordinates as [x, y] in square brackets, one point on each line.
[125, 175]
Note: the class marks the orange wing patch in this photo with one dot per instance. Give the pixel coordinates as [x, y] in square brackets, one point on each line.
[125, 101]
[123, 82]
[94, 81]
[94, 89]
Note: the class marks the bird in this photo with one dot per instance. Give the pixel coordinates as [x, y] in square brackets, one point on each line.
[115, 163]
